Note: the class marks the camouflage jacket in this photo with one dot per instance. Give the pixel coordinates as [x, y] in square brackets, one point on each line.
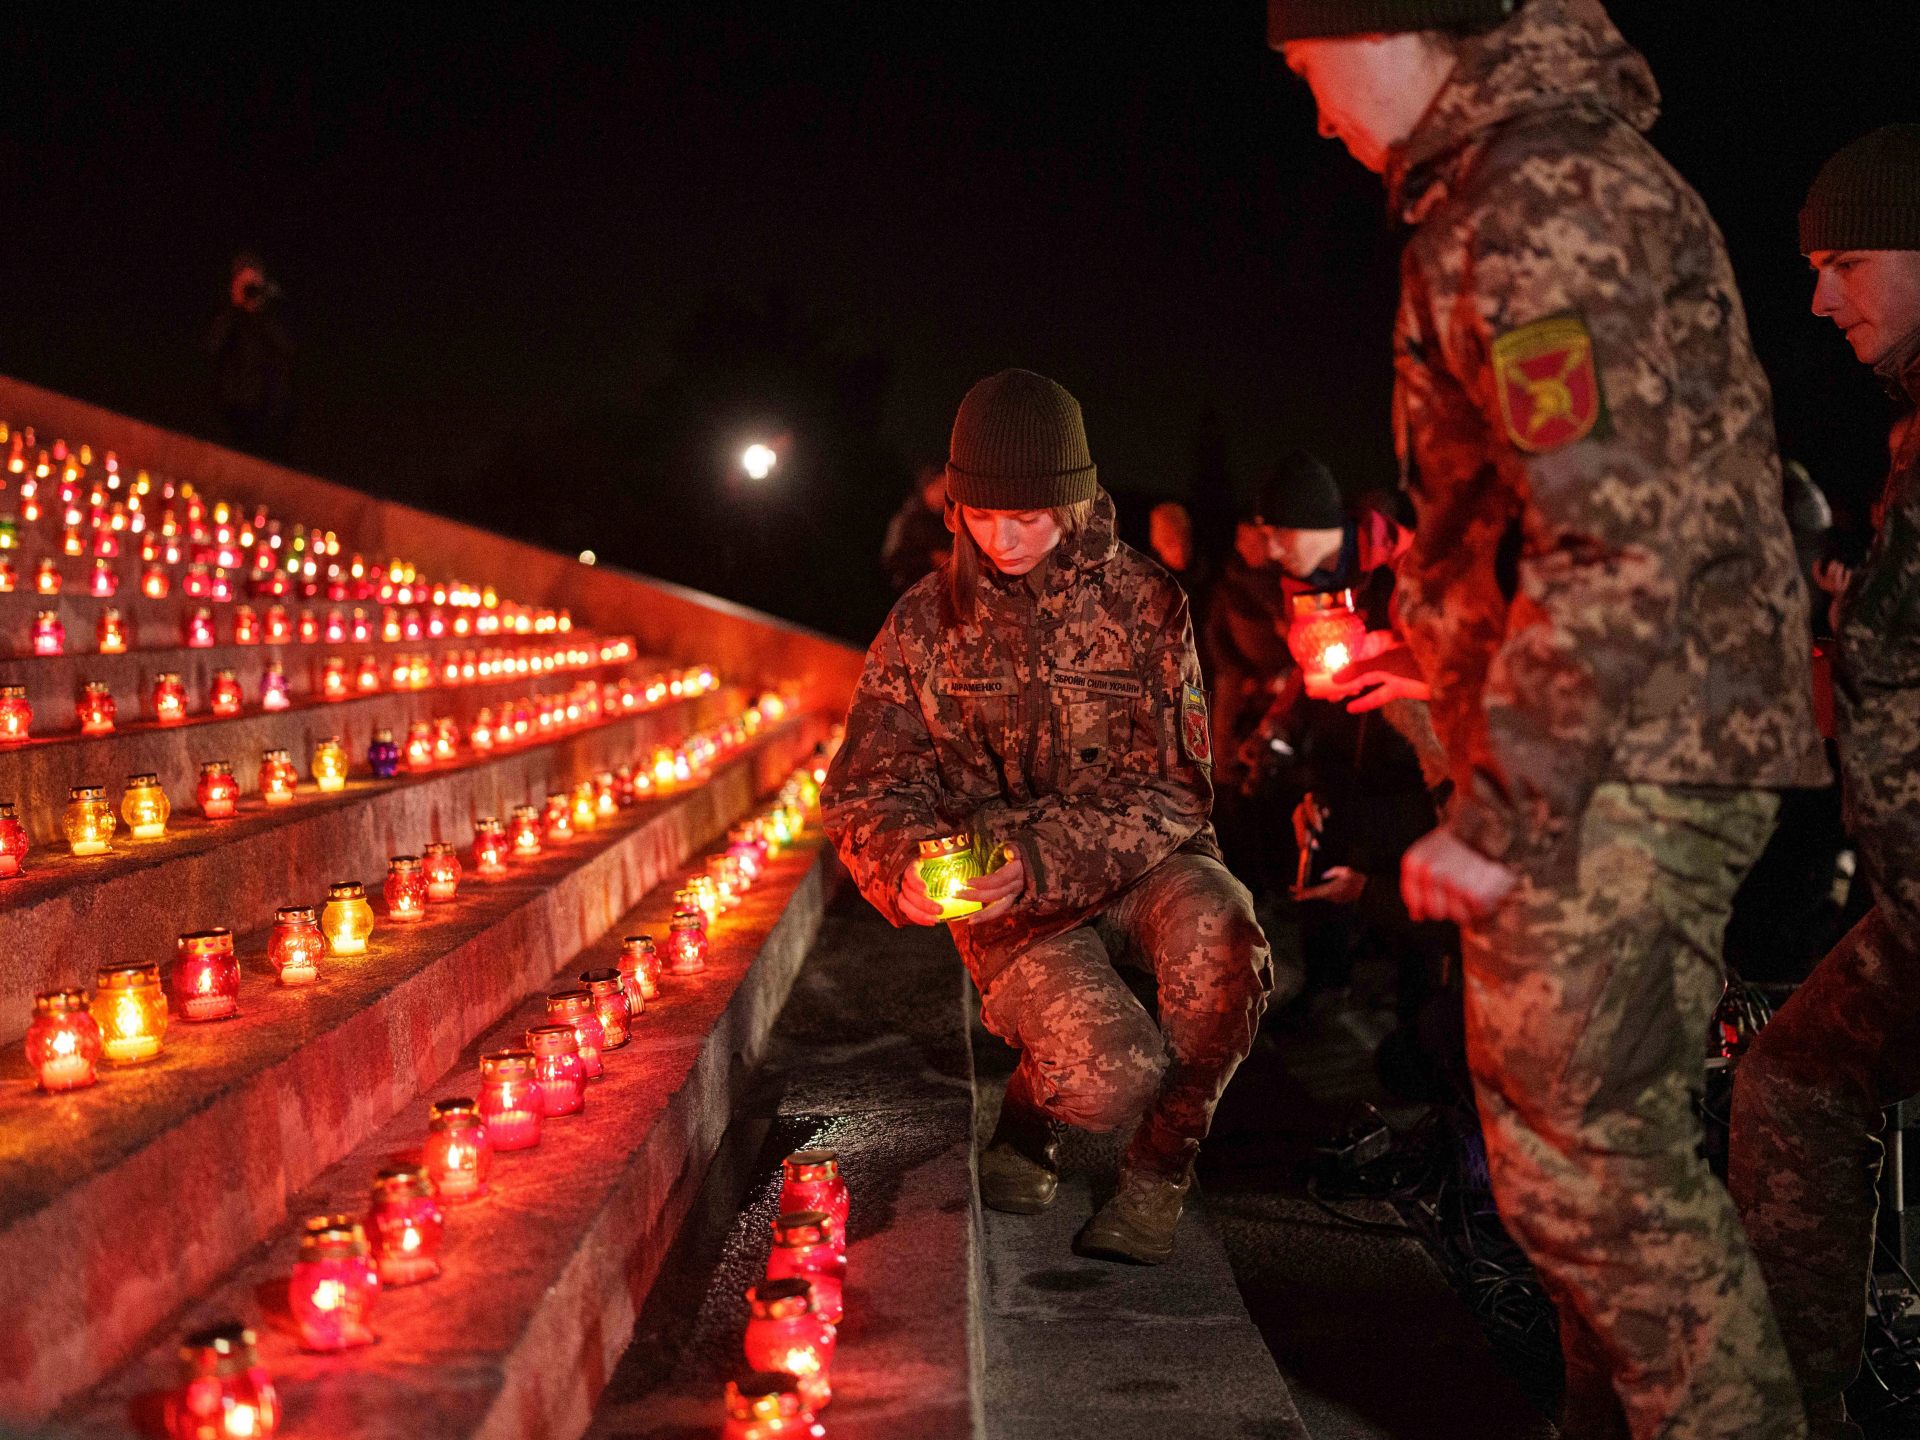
[1602, 584]
[1067, 720]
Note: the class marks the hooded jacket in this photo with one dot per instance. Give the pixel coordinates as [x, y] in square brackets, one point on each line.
[1066, 720]
[1603, 585]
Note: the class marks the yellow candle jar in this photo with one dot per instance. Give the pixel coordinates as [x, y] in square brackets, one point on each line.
[145, 807]
[946, 865]
[130, 1006]
[89, 820]
[347, 921]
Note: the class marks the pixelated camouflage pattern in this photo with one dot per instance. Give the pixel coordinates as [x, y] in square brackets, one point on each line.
[1091, 1056]
[1586, 999]
[1625, 606]
[1806, 1153]
[1051, 723]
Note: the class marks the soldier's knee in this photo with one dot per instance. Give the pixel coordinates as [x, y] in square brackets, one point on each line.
[1110, 1089]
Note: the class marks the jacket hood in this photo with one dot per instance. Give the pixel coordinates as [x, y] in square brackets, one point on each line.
[1552, 55]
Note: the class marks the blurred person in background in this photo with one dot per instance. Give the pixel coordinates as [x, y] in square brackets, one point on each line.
[253, 361]
[917, 536]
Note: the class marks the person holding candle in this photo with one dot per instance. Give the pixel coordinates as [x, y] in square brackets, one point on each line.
[1041, 694]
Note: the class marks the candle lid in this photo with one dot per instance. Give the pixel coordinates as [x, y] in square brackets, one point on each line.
[764, 1395]
[276, 756]
[167, 677]
[945, 845]
[13, 692]
[294, 915]
[638, 944]
[569, 1003]
[127, 975]
[453, 1113]
[487, 824]
[510, 1064]
[781, 1299]
[59, 1002]
[142, 780]
[803, 1227]
[216, 767]
[688, 920]
[346, 890]
[330, 742]
[599, 980]
[87, 792]
[439, 847]
[525, 812]
[333, 1237]
[223, 1350]
[223, 675]
[553, 1040]
[382, 737]
[403, 864]
[217, 938]
[407, 1181]
[1317, 600]
[98, 687]
[813, 1165]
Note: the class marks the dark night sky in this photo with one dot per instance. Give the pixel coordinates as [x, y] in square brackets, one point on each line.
[491, 222]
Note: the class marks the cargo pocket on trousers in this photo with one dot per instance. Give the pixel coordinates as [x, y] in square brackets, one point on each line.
[1633, 1041]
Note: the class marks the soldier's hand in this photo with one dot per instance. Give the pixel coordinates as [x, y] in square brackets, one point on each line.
[1444, 878]
[1342, 886]
[1383, 673]
[915, 904]
[996, 890]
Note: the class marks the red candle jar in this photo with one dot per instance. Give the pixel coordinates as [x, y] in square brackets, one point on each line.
[96, 709]
[218, 792]
[336, 630]
[333, 679]
[13, 841]
[610, 1002]
[606, 795]
[766, 1405]
[16, 715]
[811, 1180]
[153, 581]
[246, 626]
[169, 698]
[784, 1333]
[805, 1244]
[49, 635]
[481, 736]
[130, 1007]
[442, 868]
[446, 739]
[367, 678]
[639, 965]
[362, 628]
[225, 1392]
[276, 693]
[725, 875]
[307, 628]
[557, 1066]
[458, 1151]
[623, 786]
[406, 888]
[111, 633]
[687, 943]
[223, 696]
[296, 945]
[1324, 635]
[559, 818]
[206, 976]
[197, 583]
[419, 748]
[63, 1042]
[197, 628]
[334, 1285]
[576, 1008]
[104, 580]
[279, 628]
[406, 1225]
[490, 848]
[526, 831]
[510, 1099]
[700, 894]
[278, 778]
[46, 576]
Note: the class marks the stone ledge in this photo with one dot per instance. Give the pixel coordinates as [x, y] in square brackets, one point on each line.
[190, 1158]
[542, 1278]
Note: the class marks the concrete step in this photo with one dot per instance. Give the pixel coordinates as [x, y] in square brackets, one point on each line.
[153, 1182]
[134, 901]
[541, 1278]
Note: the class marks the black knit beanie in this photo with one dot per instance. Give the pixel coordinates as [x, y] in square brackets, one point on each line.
[1301, 495]
[1316, 19]
[1019, 444]
[1867, 197]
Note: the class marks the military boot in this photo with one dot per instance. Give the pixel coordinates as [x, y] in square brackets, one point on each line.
[1020, 1168]
[1137, 1224]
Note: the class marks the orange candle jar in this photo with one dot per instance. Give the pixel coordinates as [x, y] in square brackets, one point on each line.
[223, 696]
[406, 1225]
[278, 779]
[96, 709]
[334, 1285]
[1324, 635]
[296, 945]
[154, 583]
[16, 715]
[490, 848]
[586, 806]
[246, 625]
[610, 1002]
[458, 1151]
[419, 749]
[446, 740]
[206, 976]
[442, 869]
[705, 896]
[63, 1042]
[575, 1007]
[330, 764]
[557, 1067]
[225, 1392]
[347, 920]
[47, 577]
[130, 1007]
[145, 807]
[639, 971]
[725, 875]
[218, 792]
[406, 889]
[169, 698]
[88, 821]
[559, 817]
[333, 679]
[510, 1099]
[687, 943]
[111, 633]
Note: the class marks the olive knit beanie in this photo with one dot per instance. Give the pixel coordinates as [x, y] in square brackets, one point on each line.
[1867, 197]
[1019, 444]
[1318, 19]
[1302, 494]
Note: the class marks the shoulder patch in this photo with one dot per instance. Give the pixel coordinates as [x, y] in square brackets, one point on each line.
[1549, 385]
[1195, 740]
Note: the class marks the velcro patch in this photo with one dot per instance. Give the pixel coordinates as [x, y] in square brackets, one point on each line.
[1195, 740]
[1549, 385]
[1118, 687]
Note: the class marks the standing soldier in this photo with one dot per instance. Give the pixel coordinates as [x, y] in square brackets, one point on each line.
[1806, 1104]
[1041, 693]
[1602, 593]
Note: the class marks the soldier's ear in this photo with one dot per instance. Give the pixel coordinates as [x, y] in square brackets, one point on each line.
[951, 515]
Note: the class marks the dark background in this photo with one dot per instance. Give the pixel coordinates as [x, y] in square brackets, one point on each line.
[550, 270]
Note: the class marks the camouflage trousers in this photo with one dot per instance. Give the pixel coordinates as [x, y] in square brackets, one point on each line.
[1587, 1006]
[1805, 1162]
[1091, 1056]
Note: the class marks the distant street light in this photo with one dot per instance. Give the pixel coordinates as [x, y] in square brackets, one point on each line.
[587, 557]
[758, 461]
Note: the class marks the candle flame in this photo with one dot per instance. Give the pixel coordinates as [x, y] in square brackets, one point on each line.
[65, 1043]
[329, 1295]
[1336, 658]
[243, 1420]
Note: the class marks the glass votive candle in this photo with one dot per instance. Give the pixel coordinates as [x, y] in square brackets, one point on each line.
[110, 633]
[575, 1007]
[197, 628]
[367, 678]
[527, 837]
[610, 1002]
[16, 714]
[145, 807]
[333, 679]
[405, 1224]
[481, 736]
[88, 821]
[103, 580]
[223, 695]
[510, 1099]
[49, 634]
[811, 1180]
[687, 943]
[278, 779]
[767, 1405]
[586, 806]
[706, 895]
[206, 976]
[169, 698]
[558, 1068]
[406, 889]
[13, 841]
[307, 628]
[276, 692]
[330, 764]
[154, 582]
[130, 1007]
[806, 1244]
[446, 740]
[218, 792]
[225, 1392]
[458, 1150]
[784, 1333]
[96, 709]
[606, 795]
[46, 576]
[725, 875]
[246, 625]
[383, 755]
[559, 817]
[296, 944]
[347, 920]
[279, 626]
[63, 1042]
[419, 750]
[640, 967]
[490, 848]
[623, 789]
[334, 1285]
[442, 868]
